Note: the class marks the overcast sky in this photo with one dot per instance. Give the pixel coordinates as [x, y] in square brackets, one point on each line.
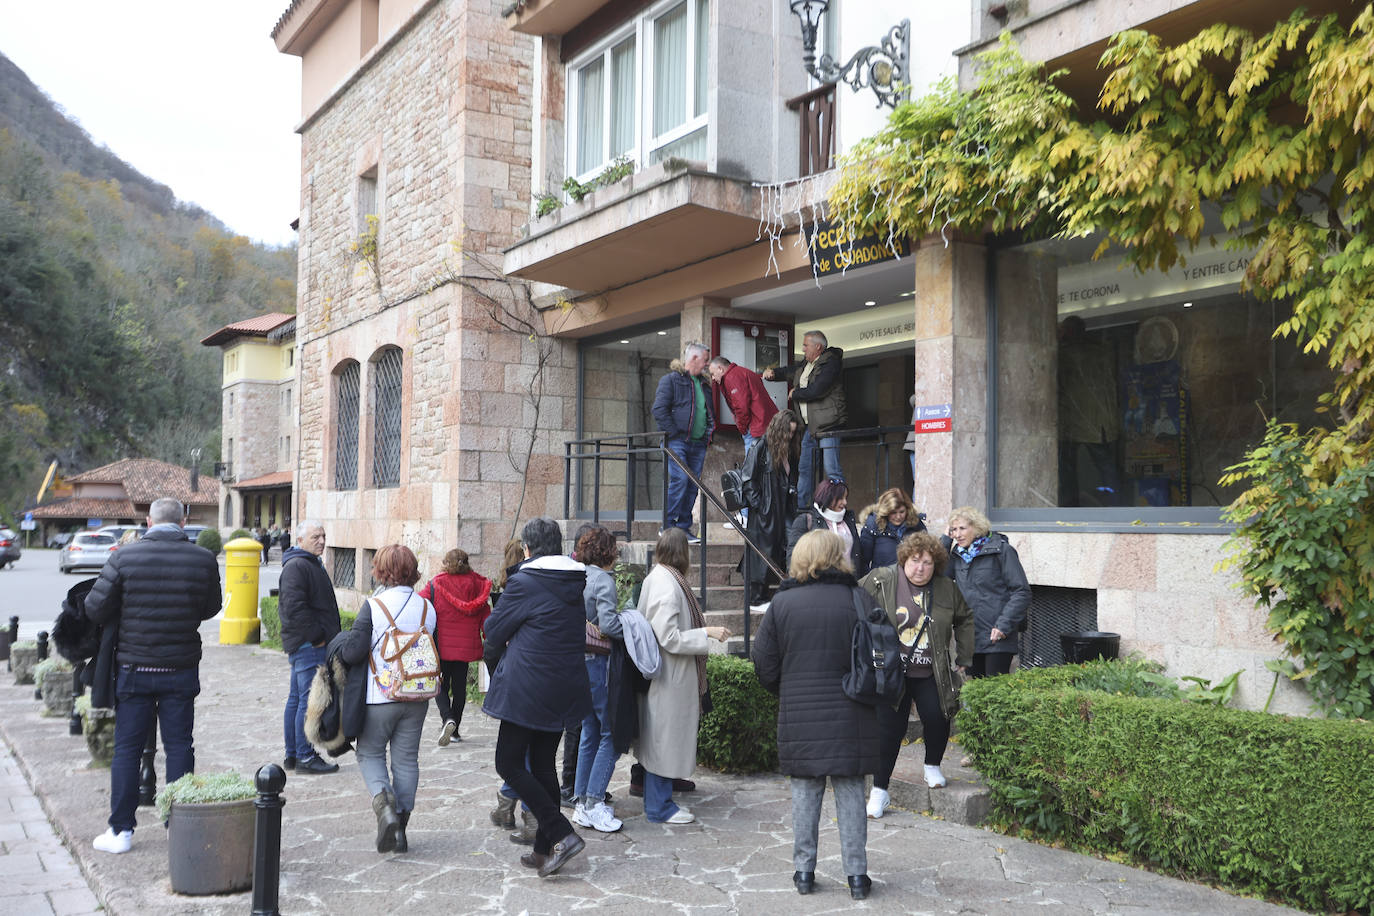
[193, 94]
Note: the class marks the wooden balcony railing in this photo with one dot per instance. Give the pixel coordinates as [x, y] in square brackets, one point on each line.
[817, 111]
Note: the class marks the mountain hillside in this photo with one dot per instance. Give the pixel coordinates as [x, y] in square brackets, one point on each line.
[107, 285]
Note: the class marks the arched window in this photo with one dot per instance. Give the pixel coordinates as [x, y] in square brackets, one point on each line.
[346, 426]
[386, 422]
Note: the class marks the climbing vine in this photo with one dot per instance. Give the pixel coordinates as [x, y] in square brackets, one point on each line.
[1270, 131]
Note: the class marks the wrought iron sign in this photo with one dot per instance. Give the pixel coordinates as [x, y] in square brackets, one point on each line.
[883, 68]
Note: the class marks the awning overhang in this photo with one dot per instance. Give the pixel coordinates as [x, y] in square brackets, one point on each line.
[551, 17]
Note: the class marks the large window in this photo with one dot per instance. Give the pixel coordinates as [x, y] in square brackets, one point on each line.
[643, 92]
[346, 426]
[386, 418]
[1121, 390]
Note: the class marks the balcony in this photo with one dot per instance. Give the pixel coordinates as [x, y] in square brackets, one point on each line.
[655, 221]
[550, 17]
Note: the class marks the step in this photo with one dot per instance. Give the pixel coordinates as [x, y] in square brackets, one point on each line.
[965, 800]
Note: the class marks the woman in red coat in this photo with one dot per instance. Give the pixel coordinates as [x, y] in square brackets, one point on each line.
[463, 601]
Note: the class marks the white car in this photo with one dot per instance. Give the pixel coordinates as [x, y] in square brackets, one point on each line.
[86, 550]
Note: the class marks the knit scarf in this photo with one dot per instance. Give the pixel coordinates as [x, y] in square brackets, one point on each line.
[698, 622]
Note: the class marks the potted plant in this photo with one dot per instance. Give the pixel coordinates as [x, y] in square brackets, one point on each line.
[97, 725]
[53, 676]
[210, 820]
[23, 656]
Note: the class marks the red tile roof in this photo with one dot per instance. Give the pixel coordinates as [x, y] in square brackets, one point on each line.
[88, 507]
[260, 326]
[275, 479]
[147, 479]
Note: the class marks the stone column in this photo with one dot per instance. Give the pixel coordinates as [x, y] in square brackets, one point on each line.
[951, 368]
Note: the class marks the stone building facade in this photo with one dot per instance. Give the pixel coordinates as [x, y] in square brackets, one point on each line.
[419, 395]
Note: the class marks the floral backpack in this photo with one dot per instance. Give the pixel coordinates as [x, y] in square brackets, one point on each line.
[410, 661]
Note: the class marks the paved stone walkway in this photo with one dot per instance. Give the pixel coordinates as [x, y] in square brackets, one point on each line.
[736, 859]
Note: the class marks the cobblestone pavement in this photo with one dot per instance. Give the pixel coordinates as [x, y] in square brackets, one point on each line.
[735, 859]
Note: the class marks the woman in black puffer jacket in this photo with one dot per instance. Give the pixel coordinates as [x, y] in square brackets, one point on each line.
[801, 653]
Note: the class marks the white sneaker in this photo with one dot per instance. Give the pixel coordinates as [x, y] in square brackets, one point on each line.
[450, 727]
[934, 777]
[761, 608]
[877, 802]
[681, 816]
[580, 815]
[112, 842]
[600, 817]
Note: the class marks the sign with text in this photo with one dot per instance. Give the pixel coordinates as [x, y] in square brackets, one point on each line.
[833, 250]
[933, 418]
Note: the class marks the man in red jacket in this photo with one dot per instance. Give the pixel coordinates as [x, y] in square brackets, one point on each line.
[747, 396]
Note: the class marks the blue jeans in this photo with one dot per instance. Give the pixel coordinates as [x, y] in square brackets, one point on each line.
[658, 798]
[806, 479]
[596, 755]
[170, 696]
[682, 493]
[304, 661]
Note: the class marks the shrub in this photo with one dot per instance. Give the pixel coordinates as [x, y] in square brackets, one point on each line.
[271, 623]
[210, 540]
[740, 733]
[239, 533]
[346, 619]
[628, 577]
[1260, 803]
[49, 665]
[198, 789]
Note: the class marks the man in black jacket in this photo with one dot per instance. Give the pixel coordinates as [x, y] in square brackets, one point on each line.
[155, 591]
[818, 397]
[309, 615]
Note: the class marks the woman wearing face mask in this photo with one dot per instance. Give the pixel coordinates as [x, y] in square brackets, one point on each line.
[927, 611]
[829, 512]
[988, 572]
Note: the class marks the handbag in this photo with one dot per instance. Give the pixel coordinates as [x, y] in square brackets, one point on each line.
[597, 642]
[876, 670]
[409, 670]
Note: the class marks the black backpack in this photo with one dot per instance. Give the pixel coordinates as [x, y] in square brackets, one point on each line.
[732, 489]
[876, 670]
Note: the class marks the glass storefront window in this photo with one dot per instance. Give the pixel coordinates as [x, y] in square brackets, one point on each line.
[1117, 389]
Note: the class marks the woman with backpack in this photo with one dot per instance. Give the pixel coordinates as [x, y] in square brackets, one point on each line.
[928, 611]
[390, 723]
[802, 653]
[462, 601]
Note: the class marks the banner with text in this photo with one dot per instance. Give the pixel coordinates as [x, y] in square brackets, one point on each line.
[834, 250]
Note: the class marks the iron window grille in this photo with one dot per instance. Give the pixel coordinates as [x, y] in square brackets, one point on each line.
[345, 567]
[1054, 611]
[346, 428]
[386, 429]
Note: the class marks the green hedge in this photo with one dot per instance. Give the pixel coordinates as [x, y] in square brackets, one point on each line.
[740, 734]
[271, 622]
[1264, 804]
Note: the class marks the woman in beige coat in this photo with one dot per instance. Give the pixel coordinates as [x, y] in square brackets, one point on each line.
[669, 712]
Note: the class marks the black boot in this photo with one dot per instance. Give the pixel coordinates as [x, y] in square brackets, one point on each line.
[384, 806]
[402, 845]
[525, 835]
[503, 815]
[859, 886]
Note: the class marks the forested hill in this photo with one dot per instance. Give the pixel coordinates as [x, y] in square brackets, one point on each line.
[107, 285]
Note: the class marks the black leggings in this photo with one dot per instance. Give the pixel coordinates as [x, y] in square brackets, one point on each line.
[934, 726]
[453, 690]
[536, 786]
[986, 664]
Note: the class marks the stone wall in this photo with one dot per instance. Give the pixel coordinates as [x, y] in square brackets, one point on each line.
[1162, 593]
[437, 125]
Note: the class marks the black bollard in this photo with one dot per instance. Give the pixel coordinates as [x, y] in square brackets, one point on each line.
[270, 780]
[14, 630]
[11, 637]
[42, 644]
[147, 772]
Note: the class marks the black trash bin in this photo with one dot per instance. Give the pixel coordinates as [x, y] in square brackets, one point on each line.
[1088, 645]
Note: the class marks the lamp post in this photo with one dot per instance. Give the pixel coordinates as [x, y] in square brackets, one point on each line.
[882, 68]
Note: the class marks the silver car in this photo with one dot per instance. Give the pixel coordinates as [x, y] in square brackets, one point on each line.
[89, 551]
[9, 547]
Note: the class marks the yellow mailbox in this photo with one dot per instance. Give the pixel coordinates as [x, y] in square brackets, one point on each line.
[241, 563]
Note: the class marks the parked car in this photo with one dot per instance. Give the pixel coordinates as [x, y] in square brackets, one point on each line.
[118, 531]
[60, 540]
[86, 550]
[9, 547]
[193, 532]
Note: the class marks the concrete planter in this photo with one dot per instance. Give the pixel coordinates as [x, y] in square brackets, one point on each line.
[23, 656]
[98, 727]
[210, 847]
[57, 693]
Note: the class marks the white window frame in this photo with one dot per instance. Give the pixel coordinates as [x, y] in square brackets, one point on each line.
[641, 29]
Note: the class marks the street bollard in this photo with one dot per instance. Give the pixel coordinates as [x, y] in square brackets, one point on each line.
[42, 644]
[74, 720]
[147, 770]
[12, 637]
[270, 780]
